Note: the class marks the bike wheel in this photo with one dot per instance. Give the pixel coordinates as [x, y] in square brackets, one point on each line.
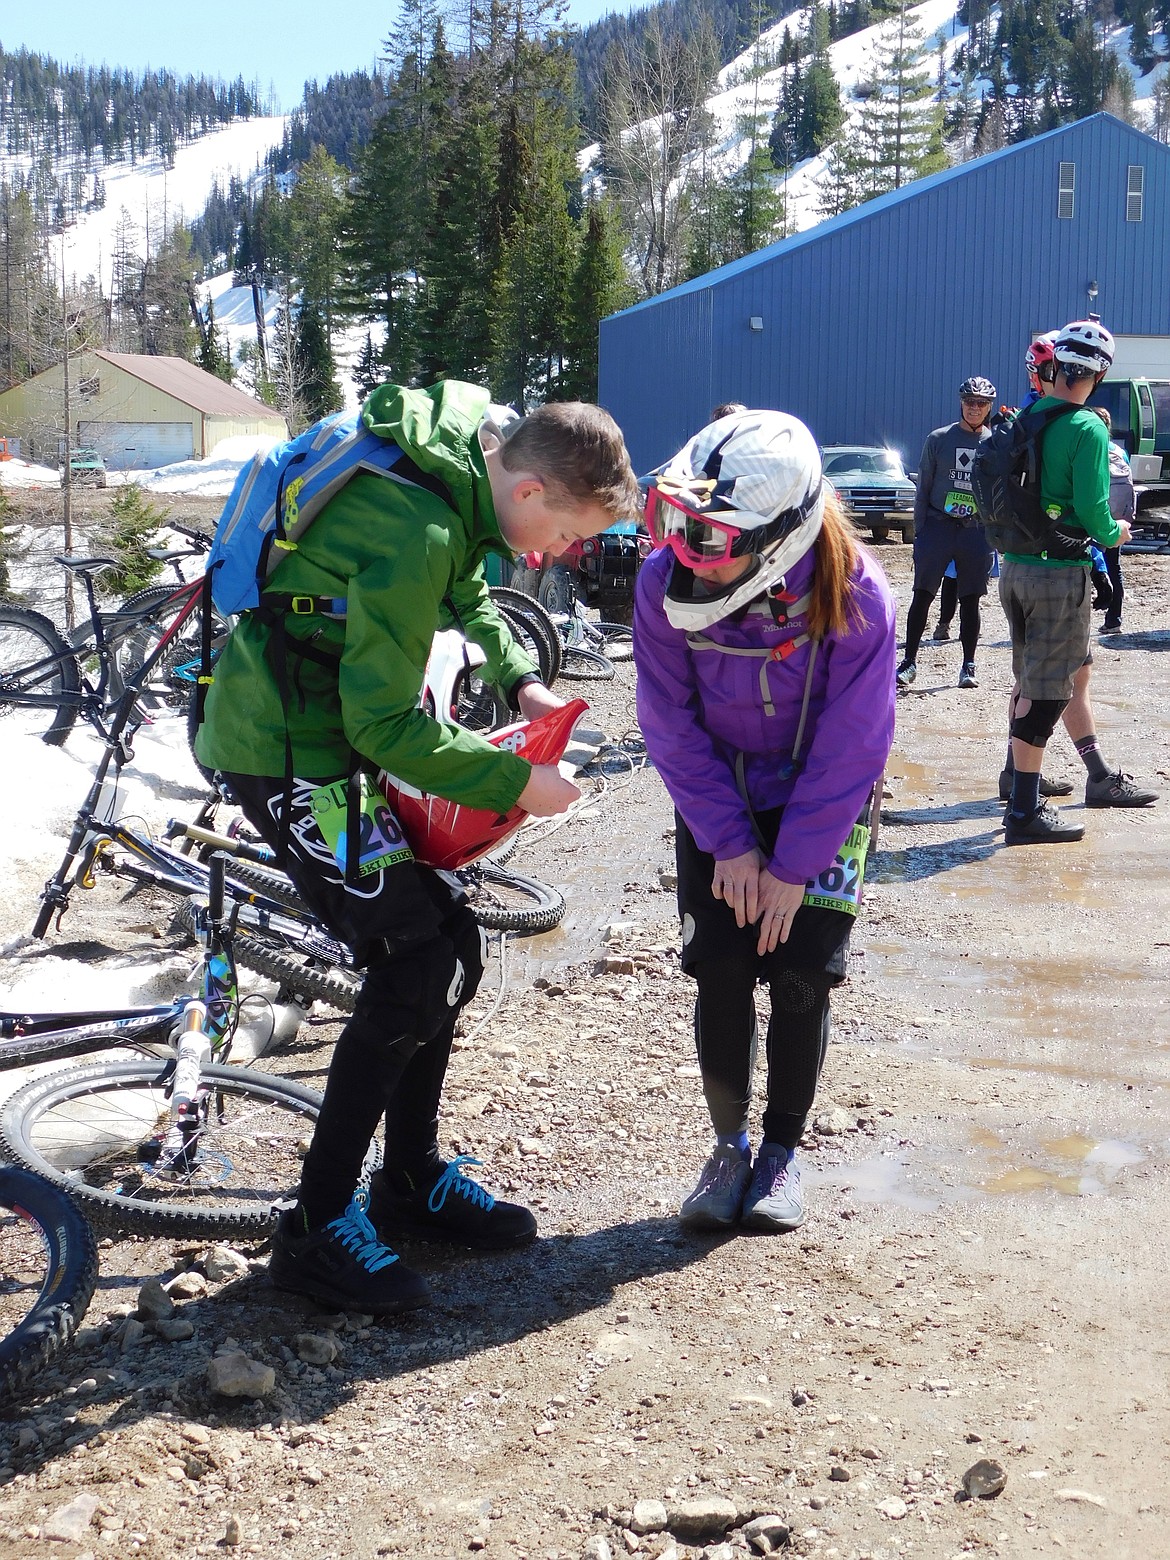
[536, 626]
[476, 704]
[506, 902]
[581, 665]
[267, 881]
[310, 972]
[90, 1131]
[299, 974]
[48, 1269]
[136, 628]
[618, 640]
[35, 660]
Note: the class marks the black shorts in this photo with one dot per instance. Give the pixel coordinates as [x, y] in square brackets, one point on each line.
[819, 939]
[941, 541]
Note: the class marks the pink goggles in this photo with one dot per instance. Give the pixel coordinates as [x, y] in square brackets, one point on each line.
[698, 541]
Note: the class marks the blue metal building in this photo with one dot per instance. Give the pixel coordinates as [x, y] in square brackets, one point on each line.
[865, 325]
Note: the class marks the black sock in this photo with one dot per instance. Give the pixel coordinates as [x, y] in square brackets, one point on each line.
[1025, 793]
[1091, 758]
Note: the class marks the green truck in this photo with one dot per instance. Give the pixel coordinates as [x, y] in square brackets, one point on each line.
[1140, 413]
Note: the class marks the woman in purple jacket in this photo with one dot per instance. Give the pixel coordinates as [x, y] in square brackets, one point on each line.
[764, 640]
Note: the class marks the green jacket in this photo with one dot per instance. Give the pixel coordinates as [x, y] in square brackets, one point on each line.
[1074, 478]
[397, 554]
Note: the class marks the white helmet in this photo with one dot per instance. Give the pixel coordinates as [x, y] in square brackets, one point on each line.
[756, 475]
[1085, 347]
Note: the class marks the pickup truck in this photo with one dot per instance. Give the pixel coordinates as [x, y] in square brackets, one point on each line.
[85, 466]
[873, 487]
[1139, 410]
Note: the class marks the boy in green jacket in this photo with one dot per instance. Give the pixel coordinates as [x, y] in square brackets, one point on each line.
[403, 555]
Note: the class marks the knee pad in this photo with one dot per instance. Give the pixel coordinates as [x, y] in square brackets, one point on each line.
[799, 991]
[1039, 723]
[413, 992]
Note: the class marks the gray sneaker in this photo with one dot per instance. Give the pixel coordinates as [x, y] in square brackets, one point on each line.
[775, 1200]
[716, 1201]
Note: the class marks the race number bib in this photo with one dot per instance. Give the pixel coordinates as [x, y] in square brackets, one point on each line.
[959, 504]
[838, 887]
[380, 839]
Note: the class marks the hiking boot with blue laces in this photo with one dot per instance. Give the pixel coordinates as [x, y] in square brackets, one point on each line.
[447, 1205]
[775, 1200]
[343, 1265]
[716, 1201]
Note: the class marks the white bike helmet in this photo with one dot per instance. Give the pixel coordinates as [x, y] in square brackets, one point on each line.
[1084, 347]
[758, 476]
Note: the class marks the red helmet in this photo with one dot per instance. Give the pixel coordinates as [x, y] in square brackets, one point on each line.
[1041, 353]
[449, 835]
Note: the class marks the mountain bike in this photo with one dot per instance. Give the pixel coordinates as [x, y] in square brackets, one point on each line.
[86, 673]
[48, 1270]
[172, 1141]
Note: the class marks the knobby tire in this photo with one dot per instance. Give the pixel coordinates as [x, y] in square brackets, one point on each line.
[83, 1130]
[504, 901]
[27, 637]
[46, 1244]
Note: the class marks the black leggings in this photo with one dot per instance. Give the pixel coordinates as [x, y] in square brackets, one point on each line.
[725, 1037]
[919, 611]
[421, 948]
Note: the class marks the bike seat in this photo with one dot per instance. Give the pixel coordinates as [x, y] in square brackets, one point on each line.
[87, 565]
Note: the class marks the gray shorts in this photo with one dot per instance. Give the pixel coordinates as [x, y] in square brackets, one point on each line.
[1049, 613]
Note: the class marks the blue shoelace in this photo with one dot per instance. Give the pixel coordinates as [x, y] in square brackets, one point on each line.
[454, 1180]
[358, 1235]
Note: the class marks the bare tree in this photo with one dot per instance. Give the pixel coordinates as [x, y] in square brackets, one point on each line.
[652, 107]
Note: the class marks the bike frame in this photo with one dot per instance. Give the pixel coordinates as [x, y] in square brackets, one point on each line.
[55, 898]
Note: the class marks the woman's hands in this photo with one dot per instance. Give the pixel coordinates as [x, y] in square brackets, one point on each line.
[756, 896]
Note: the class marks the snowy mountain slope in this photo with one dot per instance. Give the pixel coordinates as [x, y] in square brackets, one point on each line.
[154, 197]
[852, 61]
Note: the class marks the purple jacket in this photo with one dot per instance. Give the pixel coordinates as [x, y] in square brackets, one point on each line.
[700, 708]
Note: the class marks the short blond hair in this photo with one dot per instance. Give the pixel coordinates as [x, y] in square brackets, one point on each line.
[577, 451]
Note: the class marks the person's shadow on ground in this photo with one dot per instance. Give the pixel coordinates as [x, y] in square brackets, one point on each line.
[479, 1304]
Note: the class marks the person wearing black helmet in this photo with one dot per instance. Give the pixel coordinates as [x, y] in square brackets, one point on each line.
[947, 529]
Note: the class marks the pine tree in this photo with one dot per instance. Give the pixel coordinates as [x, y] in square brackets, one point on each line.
[214, 354]
[821, 114]
[317, 386]
[841, 185]
[899, 127]
[600, 287]
[131, 527]
[367, 371]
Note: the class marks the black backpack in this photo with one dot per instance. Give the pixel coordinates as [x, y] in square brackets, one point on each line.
[1005, 484]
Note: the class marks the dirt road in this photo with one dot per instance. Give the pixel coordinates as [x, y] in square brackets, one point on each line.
[982, 1275]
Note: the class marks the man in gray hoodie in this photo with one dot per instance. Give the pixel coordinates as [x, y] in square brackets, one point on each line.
[947, 528]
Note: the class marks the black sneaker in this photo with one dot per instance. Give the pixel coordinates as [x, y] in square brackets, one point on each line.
[1111, 627]
[1117, 791]
[450, 1207]
[1044, 827]
[906, 674]
[1047, 787]
[967, 678]
[941, 633]
[343, 1265]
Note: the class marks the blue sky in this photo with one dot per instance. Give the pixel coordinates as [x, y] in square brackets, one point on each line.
[278, 46]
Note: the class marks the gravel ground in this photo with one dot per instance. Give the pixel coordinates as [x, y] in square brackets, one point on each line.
[981, 1276]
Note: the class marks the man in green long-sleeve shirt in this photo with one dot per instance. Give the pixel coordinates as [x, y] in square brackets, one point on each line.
[1046, 597]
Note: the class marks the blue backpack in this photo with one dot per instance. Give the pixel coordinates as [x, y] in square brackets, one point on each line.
[277, 497]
